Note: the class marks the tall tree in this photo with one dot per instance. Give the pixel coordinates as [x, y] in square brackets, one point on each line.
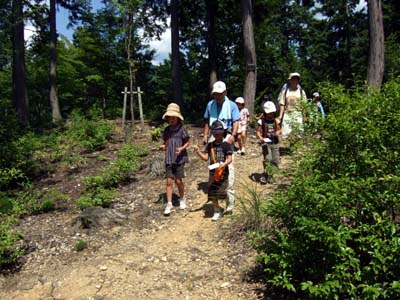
[175, 54]
[376, 57]
[249, 55]
[55, 107]
[20, 93]
[211, 42]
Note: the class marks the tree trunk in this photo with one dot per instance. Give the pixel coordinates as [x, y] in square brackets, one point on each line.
[175, 54]
[211, 9]
[131, 63]
[55, 108]
[376, 57]
[20, 93]
[250, 55]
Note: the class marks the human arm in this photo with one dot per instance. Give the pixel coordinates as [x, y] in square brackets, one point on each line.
[259, 134]
[183, 147]
[202, 155]
[235, 127]
[206, 131]
[278, 131]
[228, 160]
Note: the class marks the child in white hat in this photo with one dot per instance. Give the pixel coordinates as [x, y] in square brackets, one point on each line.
[176, 141]
[242, 128]
[269, 135]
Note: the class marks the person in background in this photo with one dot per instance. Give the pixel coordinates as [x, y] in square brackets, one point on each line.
[268, 134]
[176, 141]
[318, 104]
[242, 128]
[225, 110]
[290, 99]
[219, 153]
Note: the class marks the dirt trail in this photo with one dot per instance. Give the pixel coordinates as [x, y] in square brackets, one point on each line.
[184, 256]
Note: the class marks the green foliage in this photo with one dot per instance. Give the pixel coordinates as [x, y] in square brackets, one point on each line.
[81, 245]
[9, 249]
[99, 188]
[251, 207]
[338, 235]
[97, 197]
[90, 133]
[156, 133]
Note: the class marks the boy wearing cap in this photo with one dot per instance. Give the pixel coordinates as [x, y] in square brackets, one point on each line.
[242, 128]
[176, 141]
[289, 105]
[268, 133]
[225, 110]
[219, 153]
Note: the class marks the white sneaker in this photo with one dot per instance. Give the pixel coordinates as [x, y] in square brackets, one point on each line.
[217, 215]
[182, 203]
[168, 209]
[229, 209]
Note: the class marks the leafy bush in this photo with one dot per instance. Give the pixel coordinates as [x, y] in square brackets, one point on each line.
[119, 170]
[98, 197]
[339, 236]
[99, 188]
[9, 250]
[91, 134]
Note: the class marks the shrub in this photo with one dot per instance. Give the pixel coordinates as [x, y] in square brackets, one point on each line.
[9, 250]
[339, 236]
[98, 197]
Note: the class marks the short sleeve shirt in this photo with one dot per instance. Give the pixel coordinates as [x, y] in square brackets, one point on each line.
[293, 98]
[234, 114]
[173, 139]
[221, 151]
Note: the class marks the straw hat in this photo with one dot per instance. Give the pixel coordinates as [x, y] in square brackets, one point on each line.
[173, 110]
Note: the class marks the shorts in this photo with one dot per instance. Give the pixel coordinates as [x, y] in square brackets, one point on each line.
[242, 128]
[217, 190]
[175, 171]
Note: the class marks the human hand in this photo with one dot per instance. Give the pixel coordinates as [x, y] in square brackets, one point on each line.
[162, 147]
[179, 150]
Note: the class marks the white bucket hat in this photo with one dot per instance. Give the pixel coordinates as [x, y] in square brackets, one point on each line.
[173, 110]
[239, 100]
[316, 95]
[269, 107]
[295, 74]
[218, 87]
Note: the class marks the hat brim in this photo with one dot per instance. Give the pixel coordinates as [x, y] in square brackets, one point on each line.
[218, 91]
[172, 114]
[267, 111]
[218, 131]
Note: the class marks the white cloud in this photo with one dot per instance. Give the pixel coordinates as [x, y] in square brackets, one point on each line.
[162, 47]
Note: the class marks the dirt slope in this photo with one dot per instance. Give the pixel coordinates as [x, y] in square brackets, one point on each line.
[184, 256]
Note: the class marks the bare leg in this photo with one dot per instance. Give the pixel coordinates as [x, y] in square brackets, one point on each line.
[181, 187]
[170, 187]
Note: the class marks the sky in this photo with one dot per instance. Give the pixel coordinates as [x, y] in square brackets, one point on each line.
[162, 47]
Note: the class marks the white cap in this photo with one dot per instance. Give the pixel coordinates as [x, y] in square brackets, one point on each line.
[316, 95]
[295, 74]
[239, 100]
[269, 107]
[218, 87]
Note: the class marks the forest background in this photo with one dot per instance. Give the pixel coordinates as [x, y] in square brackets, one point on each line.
[53, 80]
